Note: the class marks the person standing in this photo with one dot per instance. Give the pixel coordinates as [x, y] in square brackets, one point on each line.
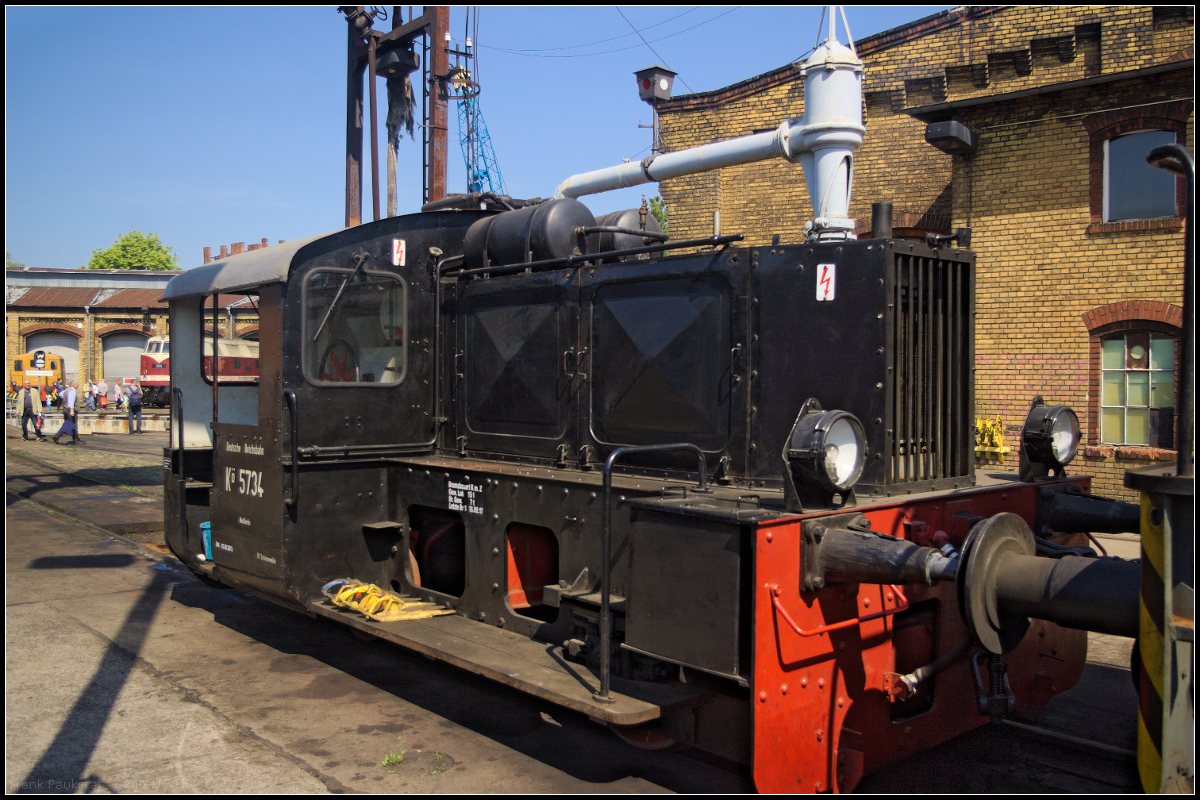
[102, 393]
[29, 402]
[70, 422]
[134, 401]
[89, 396]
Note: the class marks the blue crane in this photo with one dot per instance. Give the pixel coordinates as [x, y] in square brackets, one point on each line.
[483, 172]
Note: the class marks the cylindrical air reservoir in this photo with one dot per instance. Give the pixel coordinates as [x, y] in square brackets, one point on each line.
[537, 233]
[630, 219]
[830, 131]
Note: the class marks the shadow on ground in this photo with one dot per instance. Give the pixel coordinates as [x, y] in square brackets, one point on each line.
[571, 743]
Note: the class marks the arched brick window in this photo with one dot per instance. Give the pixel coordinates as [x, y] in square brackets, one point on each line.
[1125, 193]
[1133, 361]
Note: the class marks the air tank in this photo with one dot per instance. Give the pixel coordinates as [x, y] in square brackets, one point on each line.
[629, 219]
[543, 232]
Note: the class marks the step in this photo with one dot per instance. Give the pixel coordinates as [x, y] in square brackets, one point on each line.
[536, 668]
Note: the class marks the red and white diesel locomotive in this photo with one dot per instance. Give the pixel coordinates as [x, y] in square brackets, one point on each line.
[237, 363]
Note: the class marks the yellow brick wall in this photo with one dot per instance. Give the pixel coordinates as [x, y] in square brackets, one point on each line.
[1025, 192]
[1025, 195]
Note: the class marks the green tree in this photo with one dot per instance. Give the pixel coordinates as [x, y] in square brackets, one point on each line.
[10, 262]
[135, 250]
[659, 209]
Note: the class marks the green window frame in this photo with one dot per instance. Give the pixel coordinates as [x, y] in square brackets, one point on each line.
[1137, 389]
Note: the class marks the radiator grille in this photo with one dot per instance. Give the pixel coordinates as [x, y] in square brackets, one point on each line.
[931, 370]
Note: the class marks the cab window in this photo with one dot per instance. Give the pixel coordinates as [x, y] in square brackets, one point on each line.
[354, 328]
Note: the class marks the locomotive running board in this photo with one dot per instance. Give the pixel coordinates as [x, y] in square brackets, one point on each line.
[536, 668]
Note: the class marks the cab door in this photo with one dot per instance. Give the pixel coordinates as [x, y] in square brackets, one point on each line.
[246, 496]
[517, 364]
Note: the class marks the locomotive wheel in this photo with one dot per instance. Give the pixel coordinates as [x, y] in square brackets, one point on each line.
[643, 737]
[339, 364]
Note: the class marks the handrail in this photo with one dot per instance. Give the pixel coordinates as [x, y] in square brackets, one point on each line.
[606, 566]
[554, 263]
[833, 626]
[290, 398]
[586, 229]
[177, 407]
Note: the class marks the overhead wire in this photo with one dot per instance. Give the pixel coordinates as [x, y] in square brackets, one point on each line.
[528, 50]
[617, 50]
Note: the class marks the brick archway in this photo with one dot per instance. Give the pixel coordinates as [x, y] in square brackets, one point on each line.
[105, 330]
[1130, 314]
[41, 327]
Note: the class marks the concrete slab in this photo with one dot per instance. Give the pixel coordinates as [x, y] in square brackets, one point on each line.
[143, 449]
[116, 510]
[82, 712]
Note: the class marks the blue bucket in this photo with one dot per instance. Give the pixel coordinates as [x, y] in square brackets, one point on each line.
[206, 536]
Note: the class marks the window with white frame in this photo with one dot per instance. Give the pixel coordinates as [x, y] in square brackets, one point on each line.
[1137, 392]
[1132, 188]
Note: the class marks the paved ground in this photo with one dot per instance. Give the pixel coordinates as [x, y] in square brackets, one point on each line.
[161, 683]
[125, 673]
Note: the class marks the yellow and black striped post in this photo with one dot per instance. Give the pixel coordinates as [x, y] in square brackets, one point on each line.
[1166, 638]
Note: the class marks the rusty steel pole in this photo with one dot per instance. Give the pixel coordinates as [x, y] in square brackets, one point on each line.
[438, 67]
[371, 78]
[391, 147]
[357, 24]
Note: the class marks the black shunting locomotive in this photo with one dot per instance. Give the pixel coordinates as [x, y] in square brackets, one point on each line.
[717, 494]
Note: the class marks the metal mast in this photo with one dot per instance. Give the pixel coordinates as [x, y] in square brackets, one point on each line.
[483, 171]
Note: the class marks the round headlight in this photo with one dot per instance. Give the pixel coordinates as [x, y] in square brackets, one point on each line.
[1051, 435]
[844, 451]
[830, 447]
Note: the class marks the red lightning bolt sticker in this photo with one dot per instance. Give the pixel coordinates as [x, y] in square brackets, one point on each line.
[826, 281]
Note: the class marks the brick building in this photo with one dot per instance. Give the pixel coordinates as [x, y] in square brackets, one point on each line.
[98, 321]
[1079, 244]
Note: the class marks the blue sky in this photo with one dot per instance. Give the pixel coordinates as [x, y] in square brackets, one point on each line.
[217, 125]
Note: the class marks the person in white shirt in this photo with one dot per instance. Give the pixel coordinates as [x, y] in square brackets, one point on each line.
[70, 418]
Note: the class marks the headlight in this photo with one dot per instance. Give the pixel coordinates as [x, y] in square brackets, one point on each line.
[1049, 439]
[828, 448]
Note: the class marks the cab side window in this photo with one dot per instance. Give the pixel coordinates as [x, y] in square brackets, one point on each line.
[354, 328]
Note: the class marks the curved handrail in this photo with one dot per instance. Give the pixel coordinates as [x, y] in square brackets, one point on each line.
[177, 469]
[606, 566]
[833, 626]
